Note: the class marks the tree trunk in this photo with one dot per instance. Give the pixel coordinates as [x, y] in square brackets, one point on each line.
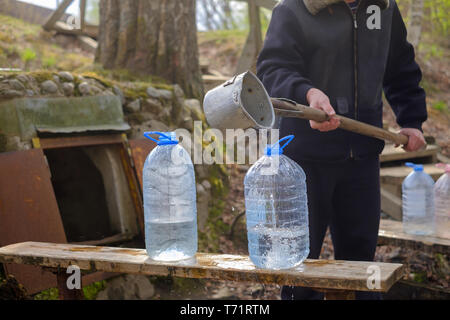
[415, 22]
[157, 37]
[254, 42]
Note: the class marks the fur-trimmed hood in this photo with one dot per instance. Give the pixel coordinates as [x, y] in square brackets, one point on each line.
[314, 6]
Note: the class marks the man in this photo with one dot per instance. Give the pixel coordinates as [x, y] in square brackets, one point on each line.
[338, 56]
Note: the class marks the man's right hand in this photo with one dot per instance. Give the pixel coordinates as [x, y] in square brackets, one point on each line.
[319, 100]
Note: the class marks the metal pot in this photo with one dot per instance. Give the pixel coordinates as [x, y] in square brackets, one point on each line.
[241, 102]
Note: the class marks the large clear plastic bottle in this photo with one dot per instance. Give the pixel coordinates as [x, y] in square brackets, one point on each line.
[276, 210]
[418, 202]
[442, 203]
[170, 208]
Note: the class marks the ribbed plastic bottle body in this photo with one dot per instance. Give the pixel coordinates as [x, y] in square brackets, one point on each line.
[277, 213]
[442, 206]
[418, 204]
[170, 208]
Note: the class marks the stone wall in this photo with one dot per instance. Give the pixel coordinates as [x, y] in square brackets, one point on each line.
[146, 107]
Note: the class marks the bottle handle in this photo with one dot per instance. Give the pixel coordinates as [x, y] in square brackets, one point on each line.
[280, 148]
[147, 135]
[410, 164]
[289, 138]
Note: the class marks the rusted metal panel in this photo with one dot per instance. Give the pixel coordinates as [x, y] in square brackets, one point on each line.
[133, 185]
[81, 141]
[28, 211]
[140, 149]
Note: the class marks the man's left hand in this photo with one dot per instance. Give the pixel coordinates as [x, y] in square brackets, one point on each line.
[416, 139]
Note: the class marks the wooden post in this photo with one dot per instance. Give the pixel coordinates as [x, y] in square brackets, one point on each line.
[339, 295]
[57, 14]
[82, 15]
[64, 292]
[254, 41]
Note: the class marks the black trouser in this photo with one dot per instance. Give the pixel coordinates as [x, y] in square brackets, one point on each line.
[346, 197]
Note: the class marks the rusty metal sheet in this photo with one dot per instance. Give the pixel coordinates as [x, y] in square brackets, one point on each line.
[28, 211]
[140, 149]
[133, 185]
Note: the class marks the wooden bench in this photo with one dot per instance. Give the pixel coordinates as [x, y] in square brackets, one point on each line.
[338, 279]
[391, 233]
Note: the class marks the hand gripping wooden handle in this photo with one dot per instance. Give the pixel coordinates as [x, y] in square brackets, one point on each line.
[294, 110]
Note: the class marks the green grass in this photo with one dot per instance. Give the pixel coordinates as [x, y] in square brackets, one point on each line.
[49, 294]
[420, 277]
[27, 46]
[122, 75]
[90, 292]
[28, 55]
[440, 106]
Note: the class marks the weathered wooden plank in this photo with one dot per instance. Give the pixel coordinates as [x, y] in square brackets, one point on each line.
[57, 14]
[88, 31]
[396, 175]
[395, 189]
[88, 44]
[441, 158]
[390, 153]
[324, 274]
[391, 233]
[211, 81]
[391, 204]
[216, 79]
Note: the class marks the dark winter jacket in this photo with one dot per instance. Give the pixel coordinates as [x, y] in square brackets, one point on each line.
[321, 44]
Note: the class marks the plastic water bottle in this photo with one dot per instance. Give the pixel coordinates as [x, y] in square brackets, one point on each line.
[170, 208]
[418, 202]
[442, 203]
[276, 210]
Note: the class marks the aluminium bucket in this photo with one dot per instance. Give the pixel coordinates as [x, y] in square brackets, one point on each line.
[239, 103]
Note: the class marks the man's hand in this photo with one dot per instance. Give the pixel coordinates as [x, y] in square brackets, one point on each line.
[319, 100]
[416, 139]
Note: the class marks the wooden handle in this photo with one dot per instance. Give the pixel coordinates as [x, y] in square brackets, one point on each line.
[291, 110]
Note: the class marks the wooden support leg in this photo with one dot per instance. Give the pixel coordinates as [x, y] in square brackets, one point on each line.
[339, 295]
[64, 292]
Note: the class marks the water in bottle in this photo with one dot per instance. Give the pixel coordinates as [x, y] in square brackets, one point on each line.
[170, 208]
[418, 202]
[442, 203]
[276, 210]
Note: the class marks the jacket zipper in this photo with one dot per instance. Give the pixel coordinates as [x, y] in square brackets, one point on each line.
[355, 61]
